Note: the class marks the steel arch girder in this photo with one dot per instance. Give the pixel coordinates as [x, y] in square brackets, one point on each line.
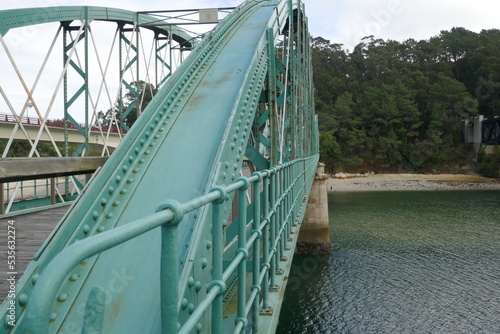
[18, 18]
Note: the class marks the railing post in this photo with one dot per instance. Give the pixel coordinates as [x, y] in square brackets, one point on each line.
[169, 267]
[53, 190]
[256, 253]
[281, 221]
[265, 245]
[217, 262]
[242, 247]
[272, 202]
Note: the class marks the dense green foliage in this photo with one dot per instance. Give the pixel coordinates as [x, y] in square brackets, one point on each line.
[400, 106]
[489, 164]
[136, 98]
[20, 149]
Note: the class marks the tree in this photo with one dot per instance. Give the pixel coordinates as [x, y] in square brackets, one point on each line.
[135, 101]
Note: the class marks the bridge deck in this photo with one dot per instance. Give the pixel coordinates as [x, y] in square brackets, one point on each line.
[31, 231]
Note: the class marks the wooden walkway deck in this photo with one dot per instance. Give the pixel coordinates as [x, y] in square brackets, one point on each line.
[31, 231]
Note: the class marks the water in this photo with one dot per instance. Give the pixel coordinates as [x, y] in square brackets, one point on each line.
[403, 262]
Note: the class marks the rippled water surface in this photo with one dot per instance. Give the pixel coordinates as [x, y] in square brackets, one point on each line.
[403, 262]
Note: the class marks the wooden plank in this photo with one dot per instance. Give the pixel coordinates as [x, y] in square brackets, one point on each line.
[31, 231]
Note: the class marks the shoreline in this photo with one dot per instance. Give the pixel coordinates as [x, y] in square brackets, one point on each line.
[411, 182]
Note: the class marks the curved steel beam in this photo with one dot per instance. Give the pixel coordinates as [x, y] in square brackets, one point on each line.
[17, 18]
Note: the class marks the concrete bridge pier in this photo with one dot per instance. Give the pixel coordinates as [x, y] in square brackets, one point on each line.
[314, 237]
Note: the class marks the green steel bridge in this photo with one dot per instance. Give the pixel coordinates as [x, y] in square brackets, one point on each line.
[172, 234]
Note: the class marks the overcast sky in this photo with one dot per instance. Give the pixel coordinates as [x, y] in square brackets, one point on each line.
[341, 21]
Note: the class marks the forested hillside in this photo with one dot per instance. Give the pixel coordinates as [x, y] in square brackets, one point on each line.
[400, 106]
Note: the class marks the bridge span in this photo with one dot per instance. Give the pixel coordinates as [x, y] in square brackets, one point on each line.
[97, 138]
[169, 236]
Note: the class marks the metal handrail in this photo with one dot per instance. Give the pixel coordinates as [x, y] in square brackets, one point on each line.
[169, 214]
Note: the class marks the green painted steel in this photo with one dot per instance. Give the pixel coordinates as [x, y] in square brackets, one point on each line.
[17, 18]
[169, 236]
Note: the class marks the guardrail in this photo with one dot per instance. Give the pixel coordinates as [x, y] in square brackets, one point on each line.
[282, 200]
[55, 123]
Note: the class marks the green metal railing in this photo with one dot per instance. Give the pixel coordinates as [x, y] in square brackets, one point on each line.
[261, 238]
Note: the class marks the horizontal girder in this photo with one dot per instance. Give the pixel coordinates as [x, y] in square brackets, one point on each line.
[17, 18]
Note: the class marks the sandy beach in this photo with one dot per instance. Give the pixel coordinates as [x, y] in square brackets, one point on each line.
[401, 182]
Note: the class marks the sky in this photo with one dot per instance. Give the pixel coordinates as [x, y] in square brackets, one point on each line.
[340, 21]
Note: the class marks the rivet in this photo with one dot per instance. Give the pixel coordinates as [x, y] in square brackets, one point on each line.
[233, 146]
[23, 299]
[123, 191]
[86, 229]
[131, 180]
[137, 150]
[198, 286]
[95, 214]
[152, 126]
[184, 303]
[35, 278]
[118, 179]
[62, 297]
[116, 203]
[204, 262]
[235, 167]
[190, 308]
[147, 152]
[53, 316]
[199, 328]
[103, 202]
[142, 161]
[209, 244]
[147, 134]
[136, 170]
[109, 215]
[111, 190]
[74, 277]
[130, 158]
[152, 144]
[100, 229]
[190, 281]
[124, 168]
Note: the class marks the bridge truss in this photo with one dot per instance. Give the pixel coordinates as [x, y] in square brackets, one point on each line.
[82, 101]
[170, 236]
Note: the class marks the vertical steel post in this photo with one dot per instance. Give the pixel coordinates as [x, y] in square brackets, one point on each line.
[217, 264]
[272, 93]
[169, 268]
[256, 252]
[137, 86]
[265, 244]
[87, 93]
[65, 90]
[282, 220]
[53, 190]
[242, 243]
[272, 202]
